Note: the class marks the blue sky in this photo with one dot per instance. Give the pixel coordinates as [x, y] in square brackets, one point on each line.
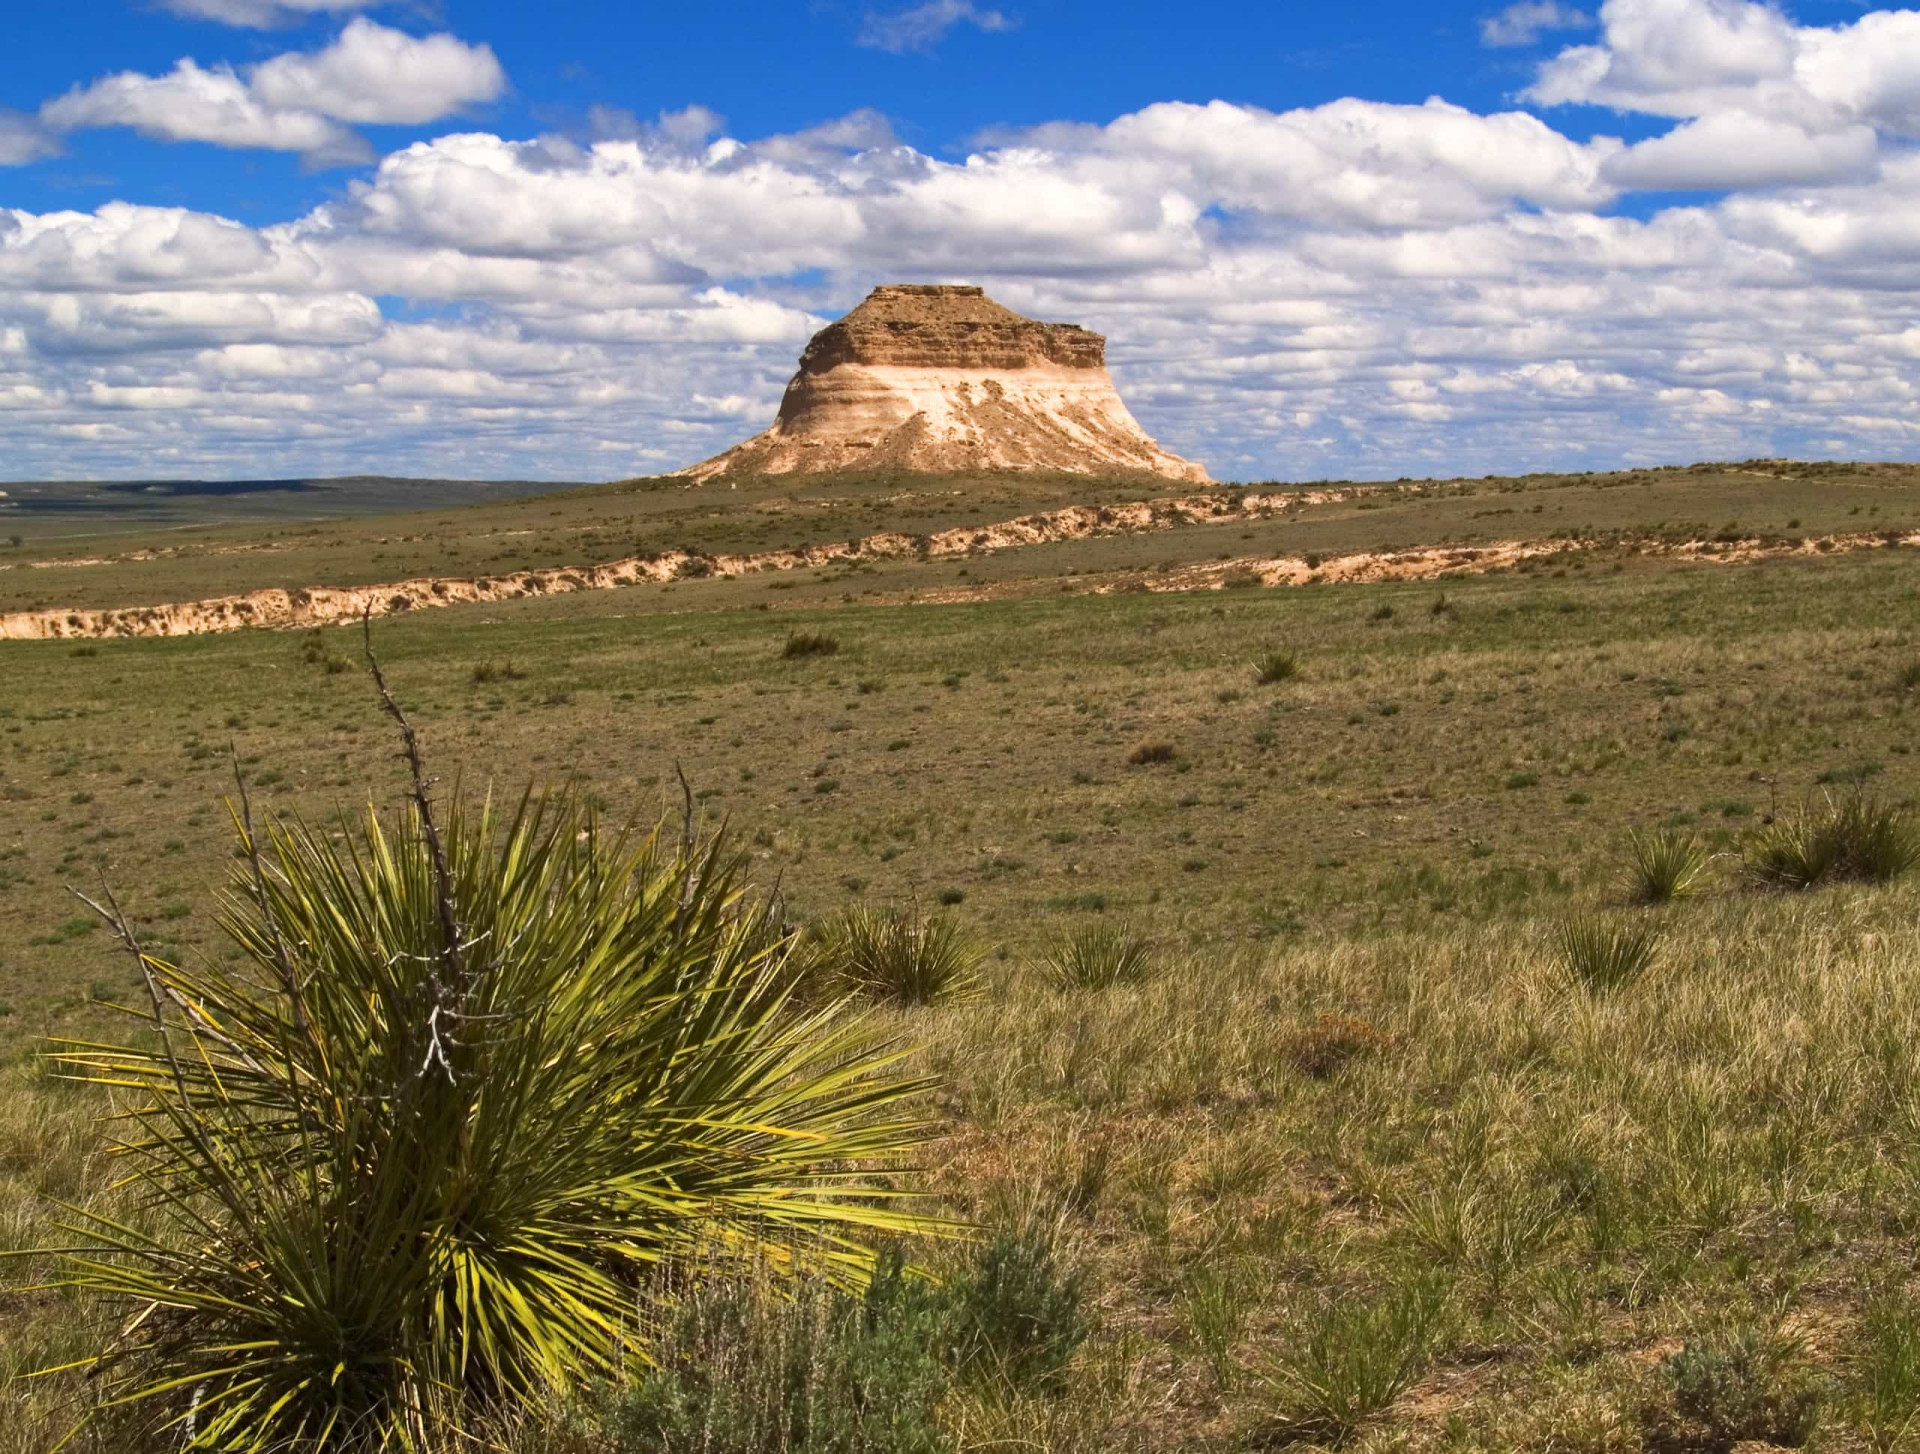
[588, 240]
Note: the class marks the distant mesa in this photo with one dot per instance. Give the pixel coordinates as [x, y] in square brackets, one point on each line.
[938, 378]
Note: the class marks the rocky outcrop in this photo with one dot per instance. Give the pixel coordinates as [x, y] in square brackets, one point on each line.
[940, 378]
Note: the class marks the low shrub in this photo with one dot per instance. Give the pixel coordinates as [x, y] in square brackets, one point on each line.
[1858, 838]
[1015, 1315]
[1732, 1387]
[894, 955]
[1664, 865]
[1605, 954]
[1276, 666]
[745, 1367]
[809, 643]
[1096, 954]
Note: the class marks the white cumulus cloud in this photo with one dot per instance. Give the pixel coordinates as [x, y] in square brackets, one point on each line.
[294, 102]
[261, 14]
[922, 27]
[22, 140]
[1524, 22]
[373, 74]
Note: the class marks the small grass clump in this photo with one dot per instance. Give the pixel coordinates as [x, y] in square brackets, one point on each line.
[1664, 865]
[485, 673]
[802, 644]
[1605, 954]
[1097, 954]
[1276, 666]
[896, 955]
[1858, 838]
[1354, 1359]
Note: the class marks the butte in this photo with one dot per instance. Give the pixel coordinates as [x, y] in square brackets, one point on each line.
[939, 378]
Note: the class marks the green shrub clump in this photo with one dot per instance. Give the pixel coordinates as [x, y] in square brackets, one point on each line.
[458, 1090]
[1276, 666]
[1744, 1384]
[1098, 954]
[1858, 838]
[894, 955]
[1664, 865]
[1604, 954]
[802, 644]
[747, 1367]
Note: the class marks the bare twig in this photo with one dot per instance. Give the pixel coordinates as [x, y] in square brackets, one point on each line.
[688, 882]
[123, 931]
[164, 994]
[442, 875]
[282, 961]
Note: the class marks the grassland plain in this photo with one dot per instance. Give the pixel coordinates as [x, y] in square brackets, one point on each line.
[1360, 1163]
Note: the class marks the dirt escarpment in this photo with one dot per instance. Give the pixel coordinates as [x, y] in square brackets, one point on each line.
[939, 378]
[324, 605]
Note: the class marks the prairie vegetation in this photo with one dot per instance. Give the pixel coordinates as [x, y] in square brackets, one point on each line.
[1497, 1037]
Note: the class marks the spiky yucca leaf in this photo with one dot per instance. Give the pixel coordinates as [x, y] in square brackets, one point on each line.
[400, 1176]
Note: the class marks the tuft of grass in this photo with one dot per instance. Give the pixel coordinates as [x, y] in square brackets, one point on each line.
[1276, 666]
[896, 955]
[1906, 681]
[1356, 1356]
[1147, 754]
[1889, 1371]
[802, 644]
[1605, 954]
[1664, 865]
[486, 672]
[1096, 954]
[1858, 838]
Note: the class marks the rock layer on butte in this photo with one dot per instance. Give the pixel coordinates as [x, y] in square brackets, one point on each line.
[940, 377]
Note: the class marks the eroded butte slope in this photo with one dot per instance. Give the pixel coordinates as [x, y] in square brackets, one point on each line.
[942, 378]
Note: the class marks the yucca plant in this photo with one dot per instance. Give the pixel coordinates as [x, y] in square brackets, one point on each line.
[1099, 953]
[1664, 865]
[1856, 838]
[1276, 666]
[894, 955]
[1605, 954]
[414, 1147]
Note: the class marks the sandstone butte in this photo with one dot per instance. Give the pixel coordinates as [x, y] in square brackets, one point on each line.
[939, 377]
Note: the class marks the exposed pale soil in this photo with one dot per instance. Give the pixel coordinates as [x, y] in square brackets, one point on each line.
[325, 605]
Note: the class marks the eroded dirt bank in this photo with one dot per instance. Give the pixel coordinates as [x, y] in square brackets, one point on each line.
[326, 605]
